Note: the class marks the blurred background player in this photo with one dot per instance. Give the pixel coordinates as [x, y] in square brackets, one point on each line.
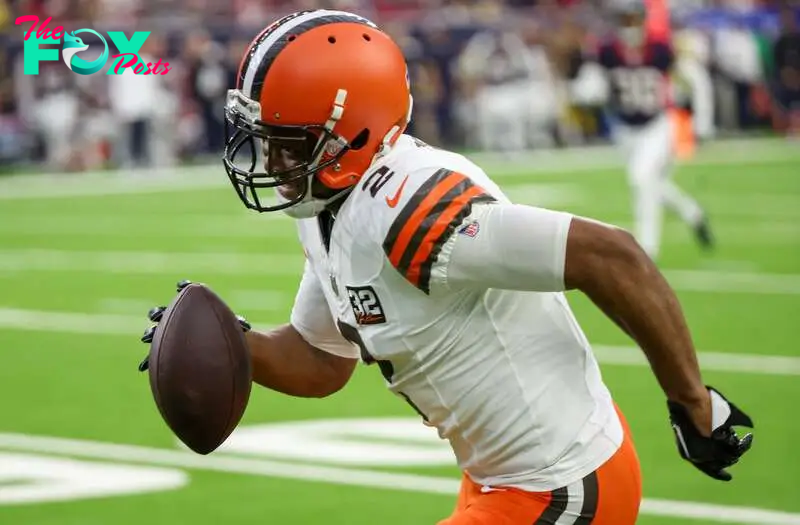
[631, 72]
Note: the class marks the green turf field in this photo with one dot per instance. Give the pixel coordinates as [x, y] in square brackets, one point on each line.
[82, 258]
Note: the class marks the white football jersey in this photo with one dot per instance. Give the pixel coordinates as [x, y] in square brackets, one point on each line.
[506, 376]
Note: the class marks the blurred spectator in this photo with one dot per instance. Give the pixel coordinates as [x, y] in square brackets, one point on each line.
[441, 47]
[55, 114]
[740, 69]
[209, 70]
[140, 103]
[487, 74]
[14, 142]
[565, 47]
[787, 73]
[5, 15]
[511, 96]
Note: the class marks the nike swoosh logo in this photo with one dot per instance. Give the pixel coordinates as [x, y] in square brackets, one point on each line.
[396, 198]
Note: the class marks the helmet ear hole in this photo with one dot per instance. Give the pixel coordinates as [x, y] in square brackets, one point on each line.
[361, 140]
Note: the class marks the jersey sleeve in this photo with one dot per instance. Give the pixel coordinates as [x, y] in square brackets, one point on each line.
[427, 220]
[509, 246]
[313, 320]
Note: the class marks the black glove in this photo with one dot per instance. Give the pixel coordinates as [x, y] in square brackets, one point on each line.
[157, 312]
[714, 454]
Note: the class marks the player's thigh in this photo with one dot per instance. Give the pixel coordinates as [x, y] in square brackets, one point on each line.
[502, 507]
[619, 483]
[609, 496]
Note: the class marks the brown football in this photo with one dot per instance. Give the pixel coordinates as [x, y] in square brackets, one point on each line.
[200, 370]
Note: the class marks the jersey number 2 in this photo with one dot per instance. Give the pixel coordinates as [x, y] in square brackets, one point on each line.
[377, 179]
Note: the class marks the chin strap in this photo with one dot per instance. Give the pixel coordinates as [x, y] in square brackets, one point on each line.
[311, 206]
[391, 137]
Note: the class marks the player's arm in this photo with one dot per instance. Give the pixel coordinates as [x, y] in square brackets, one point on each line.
[525, 248]
[609, 266]
[285, 362]
[307, 357]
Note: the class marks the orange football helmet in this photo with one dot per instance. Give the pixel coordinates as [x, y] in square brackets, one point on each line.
[320, 94]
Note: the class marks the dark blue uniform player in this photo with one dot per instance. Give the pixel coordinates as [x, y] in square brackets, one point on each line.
[638, 70]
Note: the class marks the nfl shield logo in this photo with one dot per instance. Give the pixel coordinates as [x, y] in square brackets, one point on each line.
[470, 230]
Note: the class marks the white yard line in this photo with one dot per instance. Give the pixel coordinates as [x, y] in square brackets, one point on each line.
[244, 300]
[72, 322]
[353, 477]
[53, 186]
[256, 227]
[283, 265]
[734, 282]
[144, 263]
[134, 325]
[711, 361]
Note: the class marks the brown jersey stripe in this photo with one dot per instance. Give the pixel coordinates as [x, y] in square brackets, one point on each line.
[413, 213]
[433, 213]
[419, 272]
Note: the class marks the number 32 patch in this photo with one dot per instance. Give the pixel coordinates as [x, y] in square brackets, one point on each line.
[366, 305]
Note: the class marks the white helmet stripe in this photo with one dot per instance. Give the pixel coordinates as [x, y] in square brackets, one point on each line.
[264, 46]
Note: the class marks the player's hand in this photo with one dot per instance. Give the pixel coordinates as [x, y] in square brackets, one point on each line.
[155, 314]
[723, 448]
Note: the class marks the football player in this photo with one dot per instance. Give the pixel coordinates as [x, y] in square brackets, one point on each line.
[632, 74]
[418, 263]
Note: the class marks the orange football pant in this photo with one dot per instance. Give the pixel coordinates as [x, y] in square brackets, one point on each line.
[609, 496]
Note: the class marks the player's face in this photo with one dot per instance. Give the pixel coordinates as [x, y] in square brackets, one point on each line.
[287, 156]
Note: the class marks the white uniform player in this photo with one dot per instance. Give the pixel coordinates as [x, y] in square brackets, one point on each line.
[417, 263]
[457, 352]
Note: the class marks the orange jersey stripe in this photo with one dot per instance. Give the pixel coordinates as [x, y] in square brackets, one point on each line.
[437, 230]
[415, 220]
